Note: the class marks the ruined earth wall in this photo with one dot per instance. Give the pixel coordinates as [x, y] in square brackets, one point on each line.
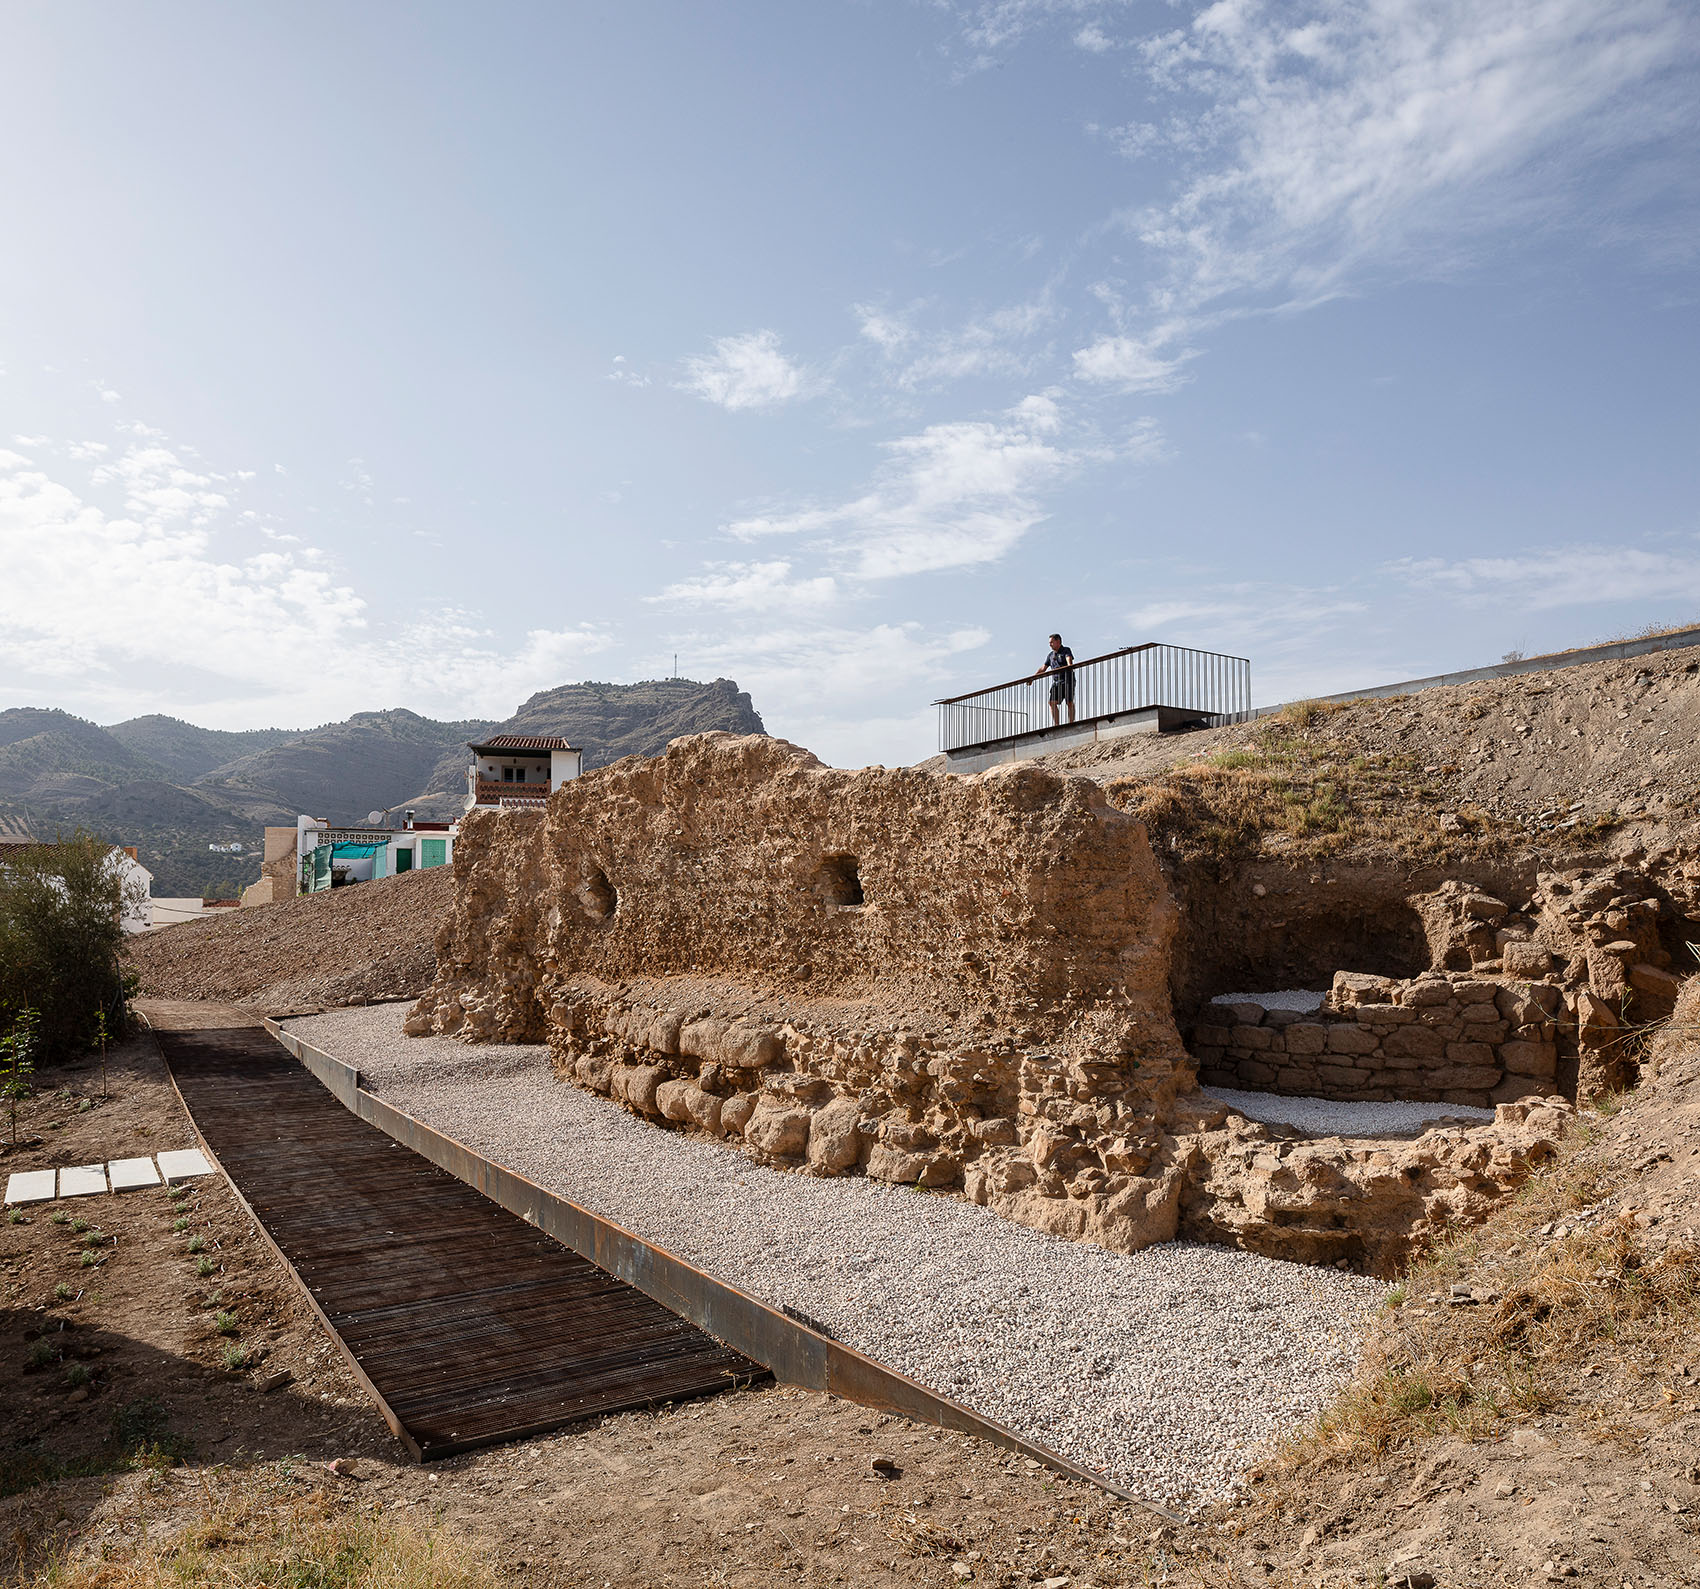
[960, 982]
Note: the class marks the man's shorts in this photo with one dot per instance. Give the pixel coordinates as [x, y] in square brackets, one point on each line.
[1062, 690]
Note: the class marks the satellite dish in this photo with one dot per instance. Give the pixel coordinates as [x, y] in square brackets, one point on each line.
[373, 818]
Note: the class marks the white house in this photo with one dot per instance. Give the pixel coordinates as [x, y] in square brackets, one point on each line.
[519, 771]
[135, 907]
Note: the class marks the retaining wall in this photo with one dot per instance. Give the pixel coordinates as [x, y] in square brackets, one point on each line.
[1436, 1038]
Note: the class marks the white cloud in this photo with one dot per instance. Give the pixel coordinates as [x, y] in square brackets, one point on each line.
[164, 590]
[1345, 136]
[745, 372]
[1129, 364]
[31, 441]
[1094, 39]
[950, 496]
[888, 332]
[1567, 576]
[750, 587]
[107, 395]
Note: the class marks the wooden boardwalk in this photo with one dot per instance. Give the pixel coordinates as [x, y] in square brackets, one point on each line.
[468, 1326]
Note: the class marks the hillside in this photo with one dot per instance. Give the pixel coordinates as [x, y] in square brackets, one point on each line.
[186, 751]
[172, 788]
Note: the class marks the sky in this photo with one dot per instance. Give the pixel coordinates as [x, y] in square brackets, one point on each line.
[430, 355]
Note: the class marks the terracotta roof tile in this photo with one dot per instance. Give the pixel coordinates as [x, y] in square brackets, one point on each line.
[523, 742]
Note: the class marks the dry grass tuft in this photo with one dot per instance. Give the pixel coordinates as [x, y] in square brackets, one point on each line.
[272, 1535]
[1552, 1303]
[1304, 792]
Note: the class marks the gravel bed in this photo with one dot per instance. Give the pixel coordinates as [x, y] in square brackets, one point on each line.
[1300, 999]
[1165, 1369]
[1330, 1117]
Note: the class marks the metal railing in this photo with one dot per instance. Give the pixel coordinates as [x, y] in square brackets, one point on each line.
[1216, 687]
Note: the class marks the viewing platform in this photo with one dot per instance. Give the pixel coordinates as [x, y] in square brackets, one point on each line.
[1147, 689]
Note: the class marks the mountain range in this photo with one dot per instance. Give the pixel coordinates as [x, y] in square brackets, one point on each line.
[172, 789]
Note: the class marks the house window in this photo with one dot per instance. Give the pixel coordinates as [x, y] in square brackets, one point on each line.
[507, 775]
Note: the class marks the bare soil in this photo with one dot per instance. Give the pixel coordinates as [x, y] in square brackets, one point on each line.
[348, 945]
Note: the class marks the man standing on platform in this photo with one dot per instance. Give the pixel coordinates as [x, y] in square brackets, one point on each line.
[1059, 663]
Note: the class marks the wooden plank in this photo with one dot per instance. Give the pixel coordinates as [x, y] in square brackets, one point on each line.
[466, 1324]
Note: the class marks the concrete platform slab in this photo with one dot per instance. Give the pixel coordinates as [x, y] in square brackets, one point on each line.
[180, 1164]
[83, 1180]
[29, 1186]
[129, 1175]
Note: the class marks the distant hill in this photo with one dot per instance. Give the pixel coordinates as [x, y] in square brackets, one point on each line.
[187, 752]
[607, 721]
[172, 788]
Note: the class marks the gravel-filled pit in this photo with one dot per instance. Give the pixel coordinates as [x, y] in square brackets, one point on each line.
[1333, 1117]
[1164, 1369]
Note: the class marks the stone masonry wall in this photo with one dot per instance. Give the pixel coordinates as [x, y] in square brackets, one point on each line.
[1452, 1038]
[956, 982]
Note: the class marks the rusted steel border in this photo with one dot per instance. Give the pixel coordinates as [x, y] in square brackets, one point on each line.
[793, 1353]
[385, 1411]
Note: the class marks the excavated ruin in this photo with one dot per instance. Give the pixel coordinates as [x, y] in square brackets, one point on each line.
[965, 983]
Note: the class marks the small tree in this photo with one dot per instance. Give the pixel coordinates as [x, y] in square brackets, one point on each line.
[60, 941]
[17, 1063]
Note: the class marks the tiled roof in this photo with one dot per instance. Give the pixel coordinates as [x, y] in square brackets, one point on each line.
[523, 742]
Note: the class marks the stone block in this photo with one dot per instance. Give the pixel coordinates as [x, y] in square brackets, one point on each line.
[1306, 1037]
[1426, 992]
[1245, 1013]
[893, 1164]
[1657, 983]
[1475, 992]
[702, 1107]
[735, 1113]
[82, 1181]
[1479, 1014]
[783, 1132]
[639, 1087]
[1342, 1076]
[1385, 1014]
[670, 1099]
[1292, 1079]
[1208, 1057]
[1255, 1038]
[131, 1175]
[835, 1136]
[1212, 1036]
[1280, 1018]
[1525, 960]
[1353, 1040]
[183, 1164]
[1356, 987]
[1255, 1073]
[997, 1131]
[1478, 1055]
[1416, 1042]
[1476, 1078]
[1530, 1059]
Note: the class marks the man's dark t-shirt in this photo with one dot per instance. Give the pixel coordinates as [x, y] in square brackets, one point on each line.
[1062, 686]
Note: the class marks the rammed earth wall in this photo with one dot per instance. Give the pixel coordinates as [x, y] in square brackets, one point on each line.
[960, 982]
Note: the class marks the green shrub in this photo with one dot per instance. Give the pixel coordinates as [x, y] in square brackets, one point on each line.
[60, 942]
[224, 1323]
[205, 1267]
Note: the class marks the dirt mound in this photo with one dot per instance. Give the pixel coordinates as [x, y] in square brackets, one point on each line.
[348, 946]
[1530, 1406]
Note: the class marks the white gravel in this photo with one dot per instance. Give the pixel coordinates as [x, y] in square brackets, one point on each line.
[1300, 999]
[1329, 1117]
[1165, 1370]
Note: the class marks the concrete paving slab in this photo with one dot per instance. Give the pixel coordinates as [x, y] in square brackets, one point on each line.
[30, 1186]
[130, 1174]
[181, 1163]
[82, 1180]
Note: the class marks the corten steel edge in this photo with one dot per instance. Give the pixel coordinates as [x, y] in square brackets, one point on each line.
[451, 1357]
[794, 1353]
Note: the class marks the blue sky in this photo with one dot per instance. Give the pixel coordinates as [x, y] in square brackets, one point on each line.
[430, 355]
